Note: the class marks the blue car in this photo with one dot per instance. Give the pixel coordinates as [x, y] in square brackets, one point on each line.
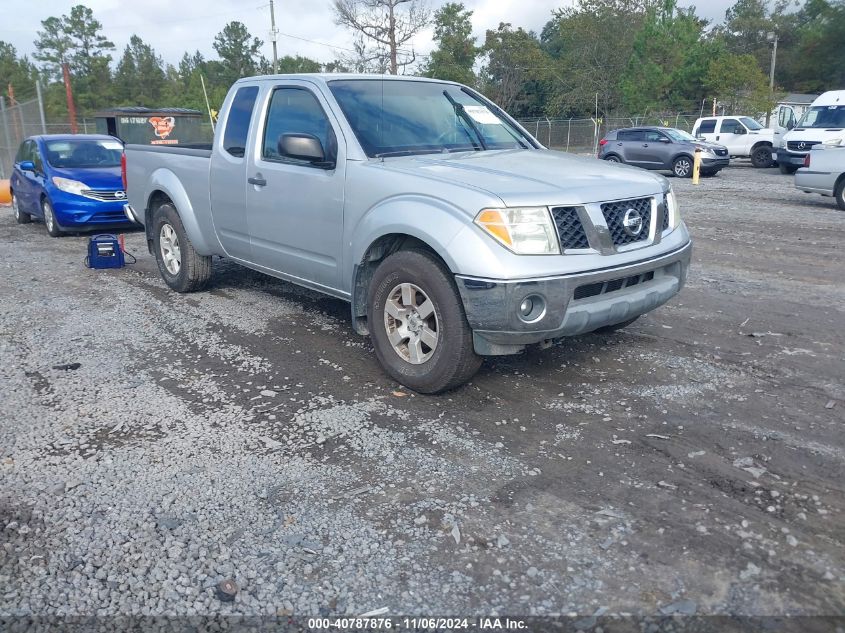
[71, 182]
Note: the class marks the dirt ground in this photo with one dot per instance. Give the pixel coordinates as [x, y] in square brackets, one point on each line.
[692, 463]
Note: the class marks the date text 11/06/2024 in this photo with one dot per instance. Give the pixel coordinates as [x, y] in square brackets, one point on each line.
[417, 624]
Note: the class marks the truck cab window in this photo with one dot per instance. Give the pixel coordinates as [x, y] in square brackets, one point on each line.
[708, 126]
[237, 123]
[296, 111]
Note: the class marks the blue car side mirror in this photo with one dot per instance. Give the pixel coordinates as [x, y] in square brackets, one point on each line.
[27, 165]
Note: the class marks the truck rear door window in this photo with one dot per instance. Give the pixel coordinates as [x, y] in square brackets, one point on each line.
[237, 123]
[708, 126]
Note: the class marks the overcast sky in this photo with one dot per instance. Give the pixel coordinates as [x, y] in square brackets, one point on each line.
[174, 27]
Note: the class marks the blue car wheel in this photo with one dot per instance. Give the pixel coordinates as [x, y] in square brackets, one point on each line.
[21, 217]
[50, 219]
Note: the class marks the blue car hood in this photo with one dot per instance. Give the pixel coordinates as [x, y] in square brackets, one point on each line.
[106, 178]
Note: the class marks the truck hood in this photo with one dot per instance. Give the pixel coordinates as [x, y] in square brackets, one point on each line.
[533, 177]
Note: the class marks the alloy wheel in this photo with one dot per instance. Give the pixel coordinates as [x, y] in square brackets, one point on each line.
[411, 323]
[682, 168]
[171, 254]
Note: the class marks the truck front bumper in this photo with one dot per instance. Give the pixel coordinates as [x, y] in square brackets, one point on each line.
[568, 305]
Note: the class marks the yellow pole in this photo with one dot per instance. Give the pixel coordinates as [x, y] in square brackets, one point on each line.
[696, 166]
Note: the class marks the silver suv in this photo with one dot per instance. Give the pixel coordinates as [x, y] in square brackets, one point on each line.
[662, 148]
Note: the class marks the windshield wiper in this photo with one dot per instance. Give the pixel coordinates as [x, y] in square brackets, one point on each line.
[501, 114]
[461, 112]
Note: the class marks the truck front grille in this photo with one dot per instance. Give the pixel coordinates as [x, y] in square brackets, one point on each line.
[105, 196]
[570, 230]
[636, 210]
[801, 146]
[603, 287]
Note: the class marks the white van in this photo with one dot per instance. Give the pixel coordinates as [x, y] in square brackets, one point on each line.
[823, 121]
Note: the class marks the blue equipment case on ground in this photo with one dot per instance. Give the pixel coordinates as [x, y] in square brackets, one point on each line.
[104, 252]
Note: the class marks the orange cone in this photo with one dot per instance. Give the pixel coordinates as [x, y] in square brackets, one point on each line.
[5, 192]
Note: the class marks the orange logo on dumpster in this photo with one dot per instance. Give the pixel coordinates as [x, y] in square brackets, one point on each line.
[162, 125]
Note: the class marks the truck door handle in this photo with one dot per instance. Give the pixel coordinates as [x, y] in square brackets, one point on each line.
[258, 181]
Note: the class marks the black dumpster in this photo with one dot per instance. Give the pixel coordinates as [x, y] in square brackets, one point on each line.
[155, 126]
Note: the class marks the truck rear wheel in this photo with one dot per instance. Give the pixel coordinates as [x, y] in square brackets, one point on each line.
[840, 194]
[417, 323]
[181, 267]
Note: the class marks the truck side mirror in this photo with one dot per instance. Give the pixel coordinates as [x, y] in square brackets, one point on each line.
[302, 146]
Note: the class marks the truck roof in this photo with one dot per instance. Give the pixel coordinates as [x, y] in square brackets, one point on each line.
[327, 77]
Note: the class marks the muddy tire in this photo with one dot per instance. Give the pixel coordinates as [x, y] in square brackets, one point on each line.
[418, 325]
[181, 267]
[839, 194]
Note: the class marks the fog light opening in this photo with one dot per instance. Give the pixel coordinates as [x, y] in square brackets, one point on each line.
[532, 308]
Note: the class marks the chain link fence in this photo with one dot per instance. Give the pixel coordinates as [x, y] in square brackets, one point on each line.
[582, 136]
[24, 119]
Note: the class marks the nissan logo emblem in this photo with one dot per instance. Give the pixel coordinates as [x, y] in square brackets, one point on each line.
[120, 195]
[632, 222]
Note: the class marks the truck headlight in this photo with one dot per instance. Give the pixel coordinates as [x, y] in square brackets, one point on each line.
[526, 231]
[672, 209]
[71, 186]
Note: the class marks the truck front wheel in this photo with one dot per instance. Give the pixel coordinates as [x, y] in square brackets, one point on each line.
[761, 157]
[181, 267]
[417, 323]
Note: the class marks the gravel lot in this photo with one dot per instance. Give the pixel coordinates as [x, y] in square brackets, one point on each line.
[691, 463]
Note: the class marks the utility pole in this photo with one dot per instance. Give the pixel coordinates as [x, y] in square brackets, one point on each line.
[772, 37]
[273, 32]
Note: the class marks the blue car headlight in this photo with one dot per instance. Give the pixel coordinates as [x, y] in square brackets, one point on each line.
[70, 186]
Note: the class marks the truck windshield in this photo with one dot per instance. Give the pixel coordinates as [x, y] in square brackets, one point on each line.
[750, 123]
[402, 118]
[76, 154]
[824, 116]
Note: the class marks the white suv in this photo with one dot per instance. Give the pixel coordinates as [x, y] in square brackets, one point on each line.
[742, 135]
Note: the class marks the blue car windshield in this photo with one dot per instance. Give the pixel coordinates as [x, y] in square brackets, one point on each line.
[81, 154]
[401, 118]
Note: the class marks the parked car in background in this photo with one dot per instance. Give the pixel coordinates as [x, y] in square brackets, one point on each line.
[662, 148]
[824, 171]
[71, 182]
[451, 231]
[743, 136]
[824, 120]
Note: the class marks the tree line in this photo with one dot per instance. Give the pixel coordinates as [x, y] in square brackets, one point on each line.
[597, 57]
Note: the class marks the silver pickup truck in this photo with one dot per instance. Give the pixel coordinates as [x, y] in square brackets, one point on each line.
[453, 233]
